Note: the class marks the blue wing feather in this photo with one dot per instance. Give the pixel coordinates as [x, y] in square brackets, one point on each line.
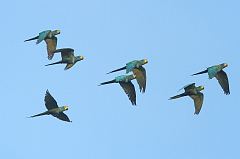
[212, 71]
[120, 78]
[131, 65]
[42, 36]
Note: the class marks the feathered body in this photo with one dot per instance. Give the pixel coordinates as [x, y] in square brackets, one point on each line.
[136, 66]
[217, 72]
[53, 109]
[195, 93]
[50, 38]
[68, 57]
[126, 84]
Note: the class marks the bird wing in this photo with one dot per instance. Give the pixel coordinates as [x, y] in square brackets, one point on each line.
[223, 81]
[140, 74]
[67, 54]
[64, 50]
[51, 46]
[190, 86]
[42, 36]
[131, 65]
[50, 102]
[69, 65]
[129, 89]
[213, 70]
[62, 116]
[198, 101]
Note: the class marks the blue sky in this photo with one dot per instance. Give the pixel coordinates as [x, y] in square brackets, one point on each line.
[177, 37]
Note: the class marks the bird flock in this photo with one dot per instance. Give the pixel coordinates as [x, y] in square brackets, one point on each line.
[138, 73]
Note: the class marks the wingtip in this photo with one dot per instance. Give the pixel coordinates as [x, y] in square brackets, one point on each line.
[227, 93]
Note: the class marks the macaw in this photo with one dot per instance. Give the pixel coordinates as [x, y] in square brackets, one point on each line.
[50, 38]
[67, 57]
[217, 72]
[53, 109]
[138, 70]
[194, 92]
[126, 84]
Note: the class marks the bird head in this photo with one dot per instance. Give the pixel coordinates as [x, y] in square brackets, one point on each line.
[79, 58]
[56, 32]
[224, 65]
[144, 61]
[65, 108]
[200, 88]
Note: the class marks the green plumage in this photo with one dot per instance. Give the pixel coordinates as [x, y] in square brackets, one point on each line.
[217, 72]
[138, 70]
[126, 84]
[194, 92]
[53, 109]
[68, 57]
[50, 38]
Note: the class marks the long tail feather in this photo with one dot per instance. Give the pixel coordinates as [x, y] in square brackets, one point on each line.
[117, 70]
[32, 39]
[44, 113]
[205, 71]
[59, 62]
[108, 82]
[178, 96]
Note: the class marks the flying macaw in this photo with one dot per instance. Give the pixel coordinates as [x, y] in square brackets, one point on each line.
[53, 109]
[194, 92]
[50, 38]
[217, 72]
[126, 84]
[138, 70]
[67, 57]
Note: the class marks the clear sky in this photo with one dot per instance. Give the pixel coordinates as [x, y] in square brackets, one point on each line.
[177, 37]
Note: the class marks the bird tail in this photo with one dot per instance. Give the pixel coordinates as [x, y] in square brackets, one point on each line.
[205, 71]
[178, 96]
[117, 70]
[32, 39]
[44, 113]
[108, 82]
[59, 62]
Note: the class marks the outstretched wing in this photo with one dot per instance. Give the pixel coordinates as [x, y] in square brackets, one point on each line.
[66, 53]
[223, 81]
[129, 89]
[51, 46]
[140, 74]
[189, 87]
[64, 50]
[50, 102]
[198, 101]
[62, 116]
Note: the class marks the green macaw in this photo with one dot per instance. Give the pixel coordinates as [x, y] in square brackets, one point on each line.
[194, 92]
[67, 57]
[217, 72]
[50, 38]
[138, 70]
[53, 109]
[126, 84]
